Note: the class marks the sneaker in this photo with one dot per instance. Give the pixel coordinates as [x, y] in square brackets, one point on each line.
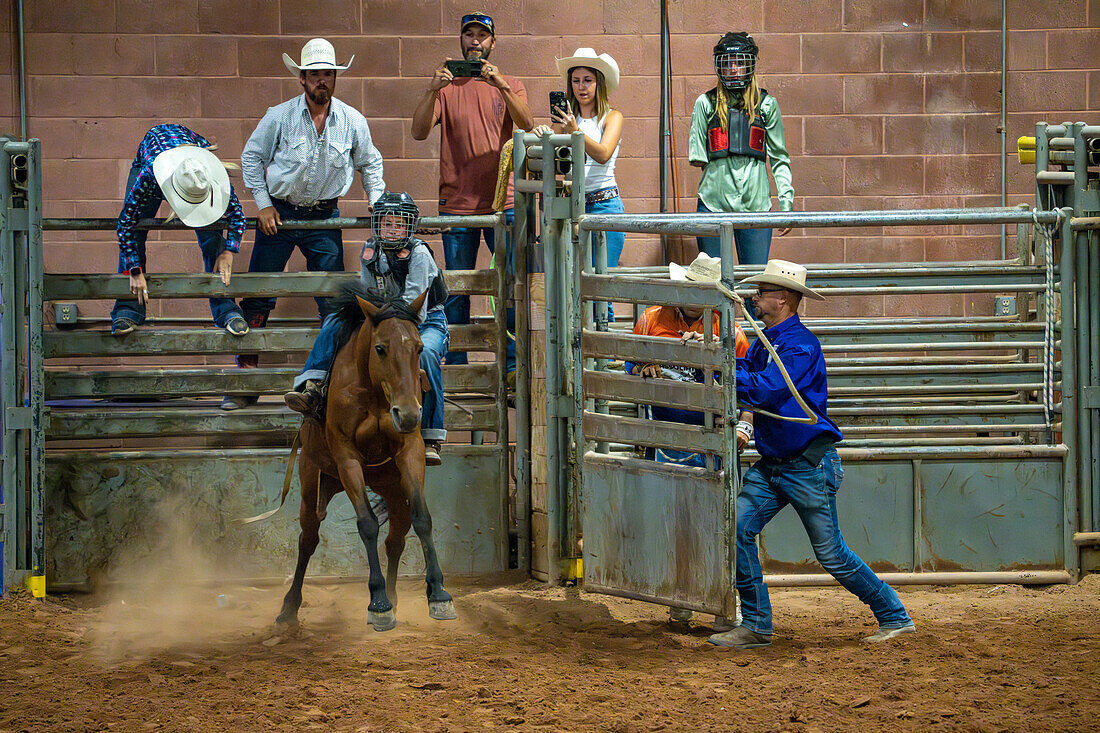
[431, 453]
[304, 400]
[236, 326]
[680, 615]
[122, 326]
[741, 637]
[887, 634]
[236, 402]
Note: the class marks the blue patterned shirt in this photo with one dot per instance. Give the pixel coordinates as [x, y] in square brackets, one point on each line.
[146, 189]
[286, 158]
[760, 384]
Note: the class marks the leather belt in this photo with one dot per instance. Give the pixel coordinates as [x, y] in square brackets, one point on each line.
[605, 194]
[315, 207]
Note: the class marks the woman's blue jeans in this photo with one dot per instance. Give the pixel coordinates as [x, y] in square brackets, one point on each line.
[615, 240]
[433, 334]
[768, 487]
[753, 245]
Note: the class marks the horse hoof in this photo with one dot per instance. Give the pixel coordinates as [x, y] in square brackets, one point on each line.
[442, 610]
[382, 621]
[286, 625]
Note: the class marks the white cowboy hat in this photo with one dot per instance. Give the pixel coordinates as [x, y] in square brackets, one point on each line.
[786, 275]
[316, 54]
[194, 182]
[587, 57]
[703, 268]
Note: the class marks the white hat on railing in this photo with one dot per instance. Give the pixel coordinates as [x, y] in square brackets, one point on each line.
[703, 268]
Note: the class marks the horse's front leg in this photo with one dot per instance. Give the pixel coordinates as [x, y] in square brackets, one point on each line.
[440, 604]
[308, 538]
[380, 613]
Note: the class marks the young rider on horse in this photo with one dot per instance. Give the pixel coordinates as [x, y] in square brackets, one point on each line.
[396, 265]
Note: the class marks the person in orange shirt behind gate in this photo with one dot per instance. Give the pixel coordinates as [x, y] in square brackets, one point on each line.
[685, 323]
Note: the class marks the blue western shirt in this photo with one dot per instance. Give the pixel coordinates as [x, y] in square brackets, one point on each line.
[760, 384]
[155, 142]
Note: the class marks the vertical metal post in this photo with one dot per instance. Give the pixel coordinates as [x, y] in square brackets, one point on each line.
[500, 316]
[1082, 300]
[1092, 240]
[10, 461]
[17, 226]
[1070, 499]
[599, 263]
[1042, 163]
[1003, 127]
[556, 502]
[918, 516]
[579, 252]
[731, 465]
[520, 242]
[36, 377]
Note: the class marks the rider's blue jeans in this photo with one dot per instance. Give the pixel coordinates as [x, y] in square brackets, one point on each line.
[433, 334]
[768, 487]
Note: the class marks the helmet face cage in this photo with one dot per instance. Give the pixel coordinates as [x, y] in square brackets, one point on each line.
[735, 70]
[394, 227]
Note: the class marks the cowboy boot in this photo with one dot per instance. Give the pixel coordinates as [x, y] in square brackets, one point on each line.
[306, 400]
[431, 453]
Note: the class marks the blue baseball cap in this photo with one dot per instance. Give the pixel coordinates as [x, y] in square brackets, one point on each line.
[479, 19]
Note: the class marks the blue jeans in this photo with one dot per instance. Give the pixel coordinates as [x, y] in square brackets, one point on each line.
[615, 240]
[212, 244]
[679, 457]
[753, 245]
[768, 487]
[460, 246]
[433, 334]
[322, 248]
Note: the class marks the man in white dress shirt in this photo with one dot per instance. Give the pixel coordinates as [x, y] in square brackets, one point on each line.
[299, 161]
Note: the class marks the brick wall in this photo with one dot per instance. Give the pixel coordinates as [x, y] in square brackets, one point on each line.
[887, 103]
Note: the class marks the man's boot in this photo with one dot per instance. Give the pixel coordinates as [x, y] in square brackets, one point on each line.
[431, 453]
[306, 400]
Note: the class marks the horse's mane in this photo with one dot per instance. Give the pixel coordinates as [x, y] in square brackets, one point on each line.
[345, 305]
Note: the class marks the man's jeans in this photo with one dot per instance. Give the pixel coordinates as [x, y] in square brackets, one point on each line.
[434, 335]
[322, 249]
[460, 246]
[210, 240]
[768, 487]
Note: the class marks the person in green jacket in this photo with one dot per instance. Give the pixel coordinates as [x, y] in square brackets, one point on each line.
[736, 129]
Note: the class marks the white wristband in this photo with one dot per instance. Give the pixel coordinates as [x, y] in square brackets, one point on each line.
[743, 426]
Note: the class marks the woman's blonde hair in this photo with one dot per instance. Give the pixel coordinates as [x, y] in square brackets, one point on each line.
[602, 105]
[750, 100]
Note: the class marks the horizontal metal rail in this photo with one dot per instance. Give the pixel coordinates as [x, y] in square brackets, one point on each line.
[243, 284]
[664, 392]
[428, 224]
[651, 433]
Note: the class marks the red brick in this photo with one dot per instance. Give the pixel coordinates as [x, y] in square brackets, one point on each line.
[713, 19]
[1031, 14]
[103, 97]
[420, 56]
[1039, 91]
[910, 52]
[524, 56]
[157, 16]
[239, 17]
[792, 134]
[884, 249]
[962, 15]
[249, 97]
[388, 137]
[67, 15]
[228, 134]
[916, 306]
[509, 16]
[262, 56]
[884, 176]
[817, 175]
[391, 97]
[1075, 49]
[564, 17]
[58, 136]
[883, 93]
[961, 249]
[780, 53]
[925, 134]
[883, 15]
[77, 179]
[115, 138]
[827, 53]
[420, 178]
[113, 55]
[806, 94]
[962, 174]
[630, 17]
[640, 138]
[638, 176]
[320, 18]
[196, 56]
[1094, 90]
[804, 246]
[838, 135]
[816, 17]
[401, 17]
[953, 93]
[1026, 50]
[848, 306]
[981, 136]
[846, 203]
[982, 51]
[48, 53]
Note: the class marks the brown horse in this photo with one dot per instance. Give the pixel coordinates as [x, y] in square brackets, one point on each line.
[371, 435]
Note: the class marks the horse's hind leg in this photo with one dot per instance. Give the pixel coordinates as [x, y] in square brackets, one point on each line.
[440, 604]
[308, 538]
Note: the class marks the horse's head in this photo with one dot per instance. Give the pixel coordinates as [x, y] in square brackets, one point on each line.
[394, 359]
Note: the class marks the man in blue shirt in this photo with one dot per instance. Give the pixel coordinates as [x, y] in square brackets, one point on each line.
[798, 464]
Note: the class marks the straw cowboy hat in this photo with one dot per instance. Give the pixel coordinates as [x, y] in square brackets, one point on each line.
[786, 275]
[703, 268]
[316, 54]
[587, 57]
[194, 182]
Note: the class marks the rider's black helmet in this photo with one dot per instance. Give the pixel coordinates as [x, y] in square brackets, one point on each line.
[392, 206]
[735, 60]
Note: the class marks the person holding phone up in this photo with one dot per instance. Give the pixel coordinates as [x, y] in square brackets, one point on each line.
[589, 80]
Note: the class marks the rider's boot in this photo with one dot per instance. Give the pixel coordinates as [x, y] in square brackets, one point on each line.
[306, 399]
[431, 453]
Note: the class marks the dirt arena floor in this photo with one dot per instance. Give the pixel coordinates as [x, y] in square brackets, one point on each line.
[529, 657]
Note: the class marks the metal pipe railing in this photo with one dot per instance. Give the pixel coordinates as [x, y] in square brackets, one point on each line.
[428, 224]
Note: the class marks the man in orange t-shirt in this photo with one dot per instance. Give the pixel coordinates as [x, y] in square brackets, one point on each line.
[475, 117]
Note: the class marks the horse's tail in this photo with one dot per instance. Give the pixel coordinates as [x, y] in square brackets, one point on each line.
[286, 482]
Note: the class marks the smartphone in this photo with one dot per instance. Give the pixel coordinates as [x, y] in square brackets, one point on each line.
[465, 68]
[558, 101]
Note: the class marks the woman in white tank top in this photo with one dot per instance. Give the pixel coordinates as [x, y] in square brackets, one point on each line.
[589, 79]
